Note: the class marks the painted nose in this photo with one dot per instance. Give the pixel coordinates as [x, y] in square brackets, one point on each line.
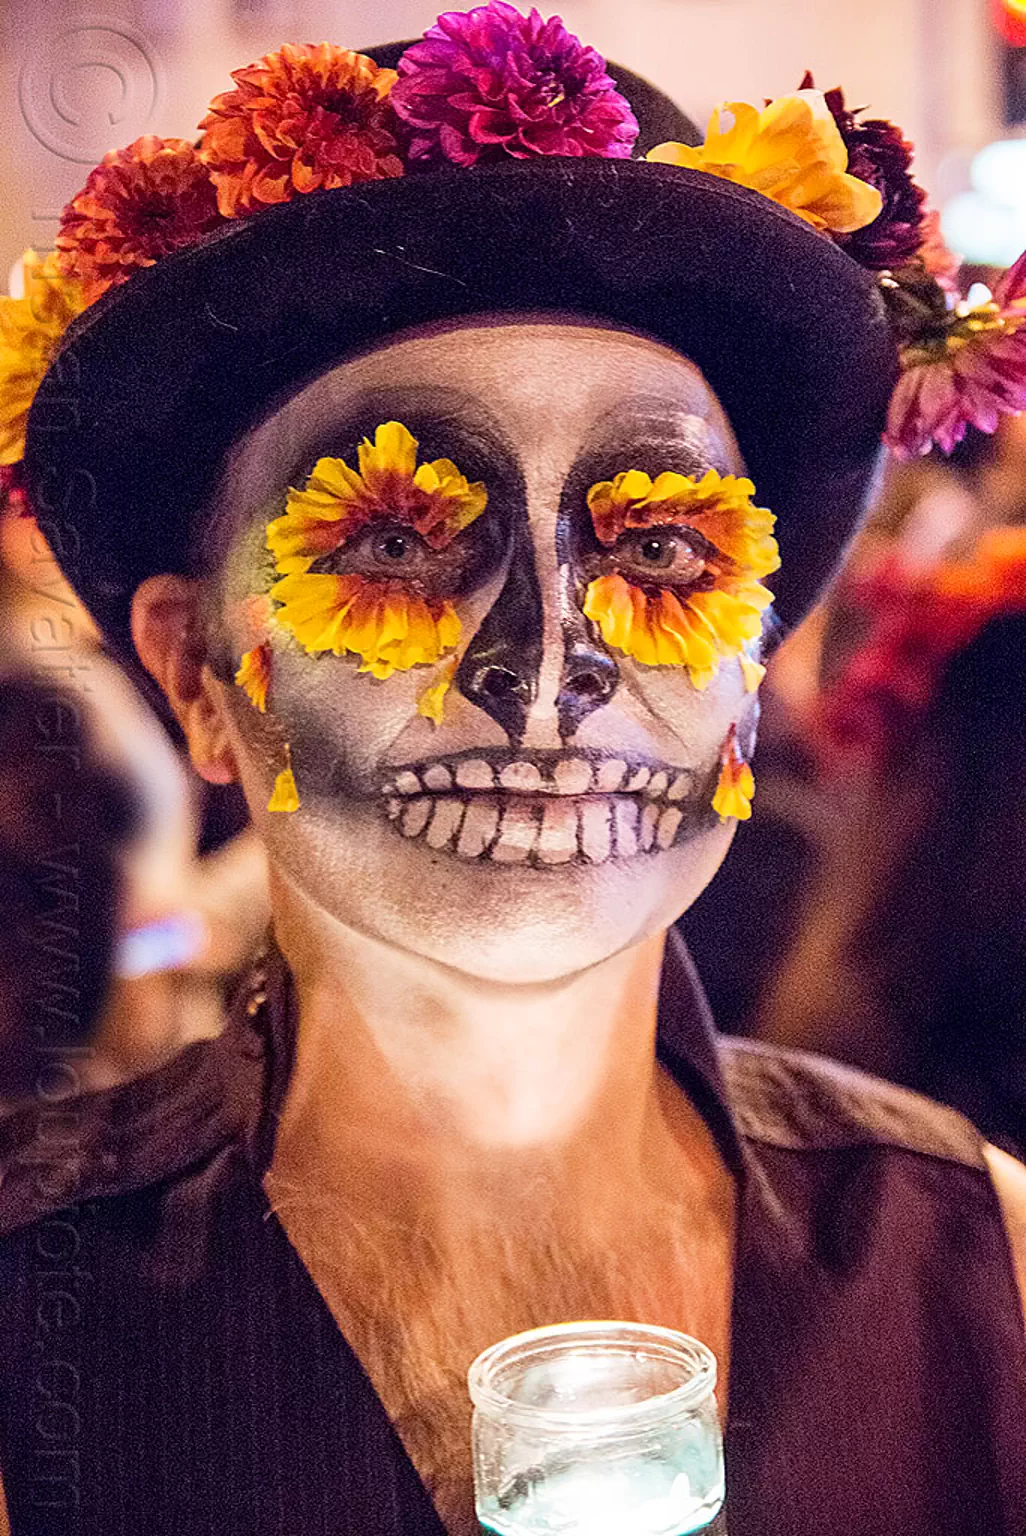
[499, 670]
[590, 678]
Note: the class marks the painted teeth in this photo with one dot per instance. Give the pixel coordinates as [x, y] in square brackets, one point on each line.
[571, 776]
[546, 830]
[473, 773]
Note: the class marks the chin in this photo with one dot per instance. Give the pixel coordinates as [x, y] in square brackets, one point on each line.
[507, 920]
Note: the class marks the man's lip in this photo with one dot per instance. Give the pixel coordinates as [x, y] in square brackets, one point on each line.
[567, 773]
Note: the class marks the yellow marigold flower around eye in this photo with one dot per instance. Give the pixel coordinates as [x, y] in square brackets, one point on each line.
[736, 785]
[30, 328]
[791, 152]
[434, 499]
[719, 506]
[389, 626]
[254, 675]
[658, 625]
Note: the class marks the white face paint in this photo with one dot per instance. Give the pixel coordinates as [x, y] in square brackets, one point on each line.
[561, 811]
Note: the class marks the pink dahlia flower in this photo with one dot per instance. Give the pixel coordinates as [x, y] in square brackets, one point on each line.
[971, 375]
[488, 83]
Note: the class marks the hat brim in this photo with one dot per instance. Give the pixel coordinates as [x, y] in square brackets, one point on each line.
[157, 379]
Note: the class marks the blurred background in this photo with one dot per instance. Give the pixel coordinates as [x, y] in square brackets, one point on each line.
[78, 79]
[875, 906]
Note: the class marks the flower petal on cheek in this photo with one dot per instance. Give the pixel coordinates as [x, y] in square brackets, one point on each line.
[431, 703]
[254, 676]
[285, 796]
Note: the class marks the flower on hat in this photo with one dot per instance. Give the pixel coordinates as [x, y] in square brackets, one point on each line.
[254, 675]
[969, 369]
[792, 152]
[878, 153]
[139, 204]
[310, 116]
[736, 785]
[720, 608]
[490, 82]
[389, 623]
[30, 328]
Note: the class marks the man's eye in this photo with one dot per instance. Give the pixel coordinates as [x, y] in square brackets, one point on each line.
[395, 547]
[667, 553]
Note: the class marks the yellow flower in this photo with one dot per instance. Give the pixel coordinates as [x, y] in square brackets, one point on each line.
[752, 673]
[254, 675]
[30, 328]
[716, 618]
[387, 625]
[719, 506]
[431, 702]
[736, 785]
[791, 152]
[285, 796]
[336, 502]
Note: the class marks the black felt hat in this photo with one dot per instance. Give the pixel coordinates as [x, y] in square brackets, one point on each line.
[156, 380]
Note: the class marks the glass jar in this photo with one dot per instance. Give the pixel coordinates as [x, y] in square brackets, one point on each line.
[596, 1429]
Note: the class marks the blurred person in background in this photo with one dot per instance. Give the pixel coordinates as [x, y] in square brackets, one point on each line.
[99, 832]
[908, 956]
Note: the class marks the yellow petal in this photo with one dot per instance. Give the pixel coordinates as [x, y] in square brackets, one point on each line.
[752, 672]
[431, 703]
[285, 796]
[254, 675]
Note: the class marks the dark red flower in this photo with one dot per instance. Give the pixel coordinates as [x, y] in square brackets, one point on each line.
[138, 205]
[880, 155]
[488, 83]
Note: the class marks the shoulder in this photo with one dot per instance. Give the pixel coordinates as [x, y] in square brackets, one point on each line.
[1009, 1178]
[54, 1154]
[795, 1099]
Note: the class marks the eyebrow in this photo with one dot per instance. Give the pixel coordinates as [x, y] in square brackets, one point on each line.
[446, 424]
[653, 435]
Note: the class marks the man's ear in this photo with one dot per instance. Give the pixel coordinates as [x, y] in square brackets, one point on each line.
[168, 633]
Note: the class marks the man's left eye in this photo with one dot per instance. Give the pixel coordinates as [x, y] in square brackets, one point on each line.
[667, 553]
[397, 547]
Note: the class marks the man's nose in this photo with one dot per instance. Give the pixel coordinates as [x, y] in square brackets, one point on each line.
[535, 657]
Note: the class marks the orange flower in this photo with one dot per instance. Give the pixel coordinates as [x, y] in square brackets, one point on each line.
[714, 618]
[387, 625]
[138, 205]
[306, 117]
[254, 675]
[736, 786]
[336, 502]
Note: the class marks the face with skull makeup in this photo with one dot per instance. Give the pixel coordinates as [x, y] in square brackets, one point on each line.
[560, 809]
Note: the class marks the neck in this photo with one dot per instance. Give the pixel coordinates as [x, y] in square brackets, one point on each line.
[427, 1086]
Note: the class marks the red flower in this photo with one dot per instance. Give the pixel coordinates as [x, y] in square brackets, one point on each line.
[490, 82]
[300, 119]
[880, 155]
[138, 205]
